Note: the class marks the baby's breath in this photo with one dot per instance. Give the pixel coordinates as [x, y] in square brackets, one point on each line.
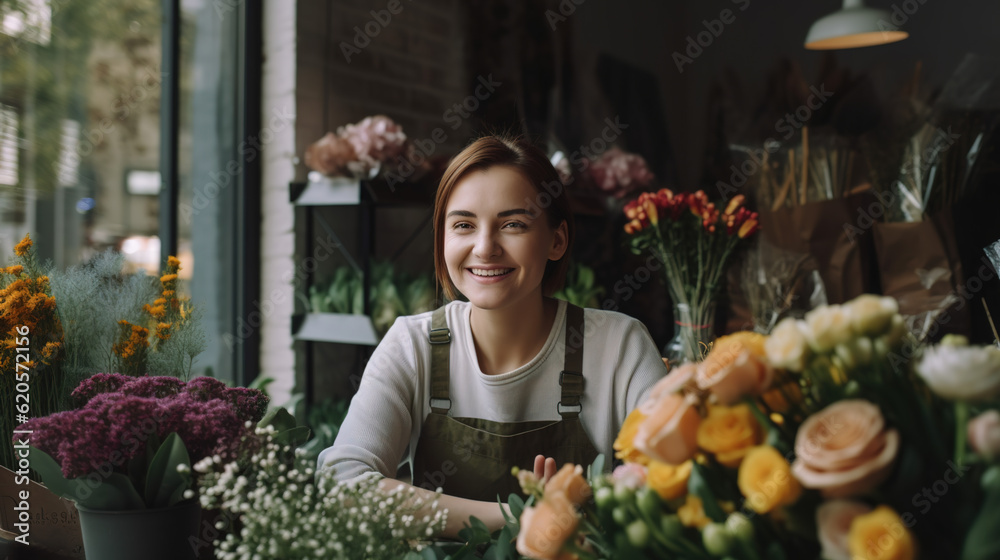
[288, 510]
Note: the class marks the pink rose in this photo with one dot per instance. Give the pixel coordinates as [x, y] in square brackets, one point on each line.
[845, 449]
[669, 433]
[984, 434]
[631, 475]
[833, 519]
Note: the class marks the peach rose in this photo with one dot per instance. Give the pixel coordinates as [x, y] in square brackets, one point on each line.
[624, 444]
[669, 434]
[546, 527]
[736, 367]
[833, 519]
[880, 535]
[570, 481]
[678, 379]
[728, 433]
[984, 434]
[845, 449]
[669, 481]
[765, 479]
[330, 155]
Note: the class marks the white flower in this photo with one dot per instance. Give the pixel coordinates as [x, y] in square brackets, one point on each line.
[787, 346]
[828, 326]
[872, 315]
[963, 373]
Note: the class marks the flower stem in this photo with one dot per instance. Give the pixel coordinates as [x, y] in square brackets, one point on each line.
[961, 430]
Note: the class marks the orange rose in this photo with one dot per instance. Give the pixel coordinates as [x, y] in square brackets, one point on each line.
[624, 443]
[736, 367]
[678, 379]
[728, 433]
[845, 449]
[546, 527]
[669, 434]
[569, 480]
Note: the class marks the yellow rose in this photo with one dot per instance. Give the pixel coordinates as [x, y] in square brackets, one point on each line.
[728, 433]
[669, 481]
[880, 535]
[872, 315]
[624, 446]
[692, 513]
[783, 396]
[765, 479]
[828, 326]
[570, 481]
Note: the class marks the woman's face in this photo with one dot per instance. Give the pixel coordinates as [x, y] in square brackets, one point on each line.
[496, 239]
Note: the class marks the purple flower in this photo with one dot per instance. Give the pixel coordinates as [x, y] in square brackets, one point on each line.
[122, 415]
[97, 384]
[620, 172]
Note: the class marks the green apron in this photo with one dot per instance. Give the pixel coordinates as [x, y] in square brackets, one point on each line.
[471, 457]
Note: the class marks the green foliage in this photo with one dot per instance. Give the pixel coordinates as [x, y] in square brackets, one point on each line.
[164, 481]
[581, 287]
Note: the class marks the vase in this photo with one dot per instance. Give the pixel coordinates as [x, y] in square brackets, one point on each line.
[149, 534]
[694, 331]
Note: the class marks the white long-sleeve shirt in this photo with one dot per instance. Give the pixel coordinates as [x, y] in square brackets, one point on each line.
[620, 362]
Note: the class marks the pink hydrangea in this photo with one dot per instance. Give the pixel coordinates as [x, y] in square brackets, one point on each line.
[375, 139]
[619, 173]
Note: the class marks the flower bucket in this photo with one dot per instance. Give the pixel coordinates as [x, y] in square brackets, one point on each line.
[150, 534]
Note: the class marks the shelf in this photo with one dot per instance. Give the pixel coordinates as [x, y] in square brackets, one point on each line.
[334, 327]
[342, 191]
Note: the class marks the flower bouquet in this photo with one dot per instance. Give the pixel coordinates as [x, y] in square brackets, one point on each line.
[694, 241]
[358, 150]
[832, 437]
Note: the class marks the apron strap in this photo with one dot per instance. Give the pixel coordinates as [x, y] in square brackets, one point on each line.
[571, 379]
[440, 339]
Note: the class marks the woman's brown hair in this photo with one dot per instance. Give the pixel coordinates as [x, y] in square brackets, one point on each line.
[520, 154]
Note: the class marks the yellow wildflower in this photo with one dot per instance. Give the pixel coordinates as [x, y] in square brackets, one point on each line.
[22, 248]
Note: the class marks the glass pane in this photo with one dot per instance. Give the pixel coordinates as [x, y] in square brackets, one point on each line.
[208, 158]
[79, 128]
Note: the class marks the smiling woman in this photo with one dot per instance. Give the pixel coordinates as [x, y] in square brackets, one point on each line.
[510, 377]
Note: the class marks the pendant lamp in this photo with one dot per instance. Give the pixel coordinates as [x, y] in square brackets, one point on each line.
[854, 25]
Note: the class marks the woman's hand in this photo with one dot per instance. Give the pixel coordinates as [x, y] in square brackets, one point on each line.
[545, 468]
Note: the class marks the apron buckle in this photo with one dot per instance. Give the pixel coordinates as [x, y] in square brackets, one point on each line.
[572, 409]
[440, 336]
[444, 405]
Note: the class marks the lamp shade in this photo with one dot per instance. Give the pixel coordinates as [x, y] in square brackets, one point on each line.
[855, 25]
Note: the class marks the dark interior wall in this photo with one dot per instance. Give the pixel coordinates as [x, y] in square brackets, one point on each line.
[646, 33]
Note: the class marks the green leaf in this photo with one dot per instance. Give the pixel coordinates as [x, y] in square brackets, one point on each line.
[516, 504]
[162, 479]
[261, 383]
[279, 418]
[596, 468]
[983, 540]
[293, 437]
[115, 492]
[698, 486]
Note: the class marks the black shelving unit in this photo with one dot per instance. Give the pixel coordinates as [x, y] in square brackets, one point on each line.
[366, 195]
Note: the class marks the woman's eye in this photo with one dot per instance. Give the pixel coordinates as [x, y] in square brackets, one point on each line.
[515, 225]
[462, 225]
